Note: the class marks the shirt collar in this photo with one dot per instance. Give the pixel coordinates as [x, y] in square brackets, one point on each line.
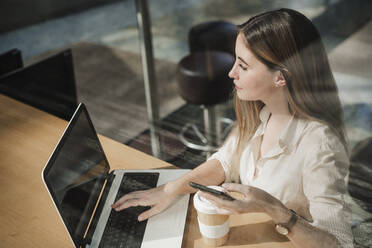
[292, 133]
[264, 117]
[264, 114]
[289, 136]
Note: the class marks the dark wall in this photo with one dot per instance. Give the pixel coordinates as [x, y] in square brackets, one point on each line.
[19, 13]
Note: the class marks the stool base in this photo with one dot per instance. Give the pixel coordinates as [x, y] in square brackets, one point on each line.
[212, 138]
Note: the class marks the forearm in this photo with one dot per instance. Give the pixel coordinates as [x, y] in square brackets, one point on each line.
[302, 234]
[208, 173]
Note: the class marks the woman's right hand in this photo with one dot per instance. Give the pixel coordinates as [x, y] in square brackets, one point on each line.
[158, 198]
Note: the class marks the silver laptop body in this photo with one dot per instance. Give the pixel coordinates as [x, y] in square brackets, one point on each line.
[79, 181]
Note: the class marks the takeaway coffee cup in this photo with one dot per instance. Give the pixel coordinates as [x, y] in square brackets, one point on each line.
[214, 227]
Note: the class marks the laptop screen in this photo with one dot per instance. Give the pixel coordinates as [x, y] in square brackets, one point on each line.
[76, 172]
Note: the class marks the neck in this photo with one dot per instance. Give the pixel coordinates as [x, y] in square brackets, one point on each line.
[278, 106]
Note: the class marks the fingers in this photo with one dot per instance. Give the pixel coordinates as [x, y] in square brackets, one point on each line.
[147, 214]
[121, 201]
[223, 206]
[142, 194]
[130, 200]
[235, 187]
[134, 202]
[217, 200]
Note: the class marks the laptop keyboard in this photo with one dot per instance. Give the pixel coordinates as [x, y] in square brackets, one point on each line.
[122, 228]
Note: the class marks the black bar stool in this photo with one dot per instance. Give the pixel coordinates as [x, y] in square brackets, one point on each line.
[203, 80]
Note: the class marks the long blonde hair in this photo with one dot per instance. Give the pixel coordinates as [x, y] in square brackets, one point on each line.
[287, 41]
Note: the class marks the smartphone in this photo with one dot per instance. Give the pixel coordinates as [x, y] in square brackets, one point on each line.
[217, 193]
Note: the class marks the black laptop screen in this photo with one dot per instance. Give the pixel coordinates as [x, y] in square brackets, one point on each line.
[76, 172]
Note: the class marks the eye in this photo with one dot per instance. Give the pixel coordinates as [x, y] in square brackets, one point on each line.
[243, 67]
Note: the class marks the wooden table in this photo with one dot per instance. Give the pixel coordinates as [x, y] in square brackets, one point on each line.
[27, 215]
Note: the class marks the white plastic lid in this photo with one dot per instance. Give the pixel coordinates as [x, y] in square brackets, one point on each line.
[203, 205]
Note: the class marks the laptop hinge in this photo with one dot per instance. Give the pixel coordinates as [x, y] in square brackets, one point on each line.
[97, 213]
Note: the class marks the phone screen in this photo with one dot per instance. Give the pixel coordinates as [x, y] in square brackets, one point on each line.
[217, 193]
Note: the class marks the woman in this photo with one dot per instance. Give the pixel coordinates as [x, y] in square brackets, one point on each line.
[288, 150]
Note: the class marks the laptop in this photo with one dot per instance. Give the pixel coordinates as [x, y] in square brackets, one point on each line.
[82, 187]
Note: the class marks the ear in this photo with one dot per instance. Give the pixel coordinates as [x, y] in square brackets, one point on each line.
[279, 80]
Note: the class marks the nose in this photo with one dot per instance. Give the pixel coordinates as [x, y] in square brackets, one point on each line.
[232, 73]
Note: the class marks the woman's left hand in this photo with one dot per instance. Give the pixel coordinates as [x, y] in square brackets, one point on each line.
[253, 199]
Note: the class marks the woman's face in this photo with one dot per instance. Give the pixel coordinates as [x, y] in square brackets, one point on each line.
[253, 80]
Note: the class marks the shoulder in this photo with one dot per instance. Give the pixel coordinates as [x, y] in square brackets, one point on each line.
[319, 142]
[319, 136]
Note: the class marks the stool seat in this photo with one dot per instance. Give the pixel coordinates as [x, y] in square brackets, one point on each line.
[203, 80]
[203, 77]
[213, 36]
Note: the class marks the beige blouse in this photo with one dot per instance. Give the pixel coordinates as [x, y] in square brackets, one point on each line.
[305, 170]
